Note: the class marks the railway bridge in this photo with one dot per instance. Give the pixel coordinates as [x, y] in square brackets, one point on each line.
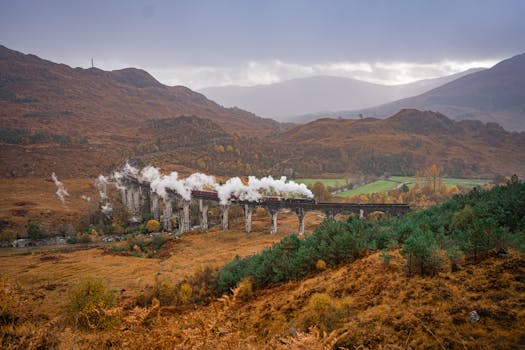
[141, 201]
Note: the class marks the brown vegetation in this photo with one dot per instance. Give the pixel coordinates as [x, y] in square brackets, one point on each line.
[82, 122]
[365, 303]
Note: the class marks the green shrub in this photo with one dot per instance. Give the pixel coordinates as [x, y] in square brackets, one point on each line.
[36, 137]
[62, 139]
[20, 136]
[137, 242]
[204, 284]
[474, 223]
[13, 135]
[6, 94]
[89, 302]
[463, 218]
[116, 249]
[83, 141]
[292, 258]
[454, 254]
[72, 240]
[117, 229]
[34, 231]
[484, 236]
[84, 238]
[421, 252]
[159, 240]
[66, 230]
[385, 257]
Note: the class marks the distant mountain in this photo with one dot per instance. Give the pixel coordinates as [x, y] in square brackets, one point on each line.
[286, 100]
[402, 144]
[31, 87]
[83, 121]
[493, 95]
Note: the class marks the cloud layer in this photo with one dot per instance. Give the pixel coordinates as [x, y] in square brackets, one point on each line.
[274, 71]
[214, 43]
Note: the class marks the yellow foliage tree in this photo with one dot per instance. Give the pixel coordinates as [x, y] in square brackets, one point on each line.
[153, 226]
[434, 177]
[363, 198]
[320, 192]
[201, 164]
[320, 265]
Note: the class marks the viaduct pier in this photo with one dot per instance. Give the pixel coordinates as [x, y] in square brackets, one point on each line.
[141, 201]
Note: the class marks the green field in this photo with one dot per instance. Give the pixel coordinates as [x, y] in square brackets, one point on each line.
[394, 181]
[446, 181]
[326, 182]
[386, 185]
[373, 187]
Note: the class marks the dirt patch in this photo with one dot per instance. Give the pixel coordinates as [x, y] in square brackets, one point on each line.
[24, 203]
[51, 257]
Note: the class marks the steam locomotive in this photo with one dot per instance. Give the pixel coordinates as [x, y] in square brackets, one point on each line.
[212, 195]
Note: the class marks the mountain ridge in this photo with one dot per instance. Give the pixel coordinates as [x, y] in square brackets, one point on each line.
[83, 122]
[286, 100]
[94, 93]
[493, 95]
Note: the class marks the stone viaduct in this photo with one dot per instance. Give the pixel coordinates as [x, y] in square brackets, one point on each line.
[141, 201]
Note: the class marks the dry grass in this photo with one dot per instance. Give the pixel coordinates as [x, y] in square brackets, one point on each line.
[382, 306]
[49, 275]
[25, 199]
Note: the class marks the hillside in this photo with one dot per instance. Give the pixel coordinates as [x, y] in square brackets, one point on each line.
[401, 145]
[386, 308]
[295, 100]
[32, 88]
[404, 143]
[99, 114]
[82, 122]
[494, 95]
[431, 279]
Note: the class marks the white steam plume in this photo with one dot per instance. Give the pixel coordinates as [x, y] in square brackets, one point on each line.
[107, 209]
[164, 183]
[61, 190]
[200, 181]
[234, 188]
[101, 184]
[149, 174]
[278, 187]
[127, 170]
[183, 187]
[130, 169]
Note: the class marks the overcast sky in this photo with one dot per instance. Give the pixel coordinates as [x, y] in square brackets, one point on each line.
[201, 43]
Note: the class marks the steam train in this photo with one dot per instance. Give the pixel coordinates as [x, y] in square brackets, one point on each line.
[212, 195]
